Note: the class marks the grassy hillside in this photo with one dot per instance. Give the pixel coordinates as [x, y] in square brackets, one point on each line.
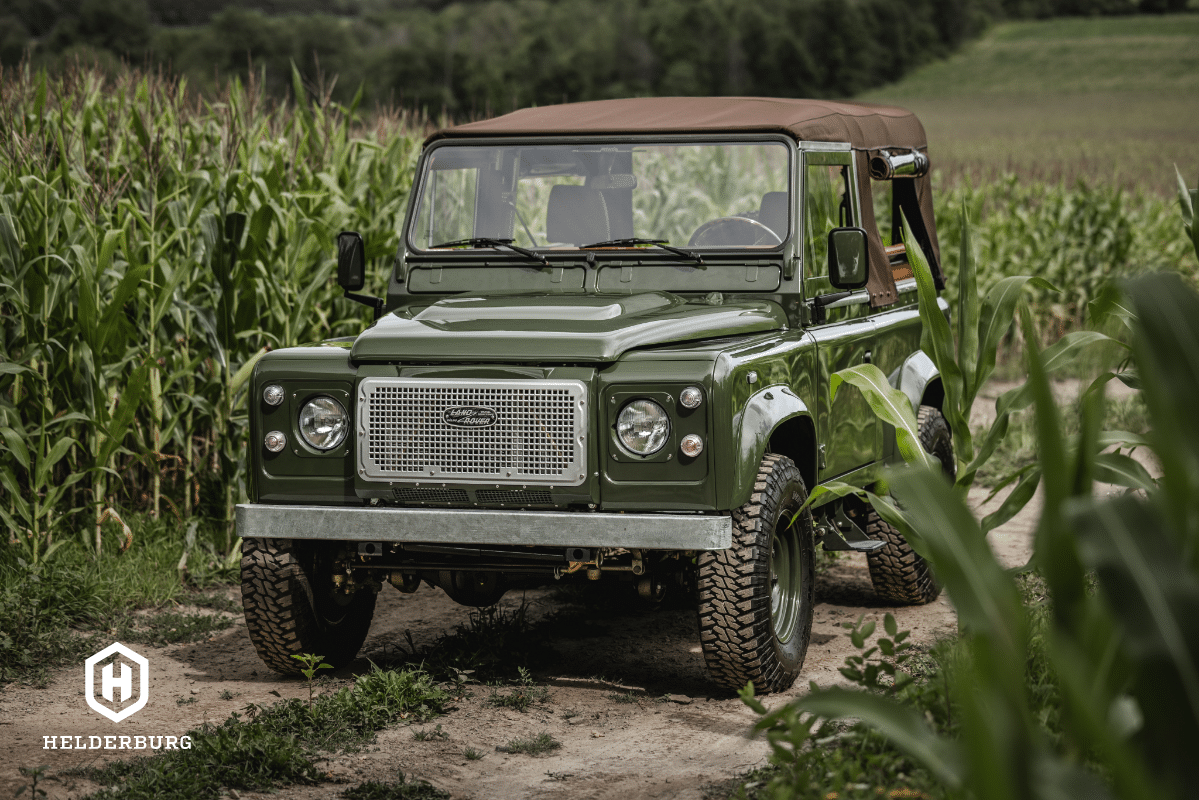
[1113, 99]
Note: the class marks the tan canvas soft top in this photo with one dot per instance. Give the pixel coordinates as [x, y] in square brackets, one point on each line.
[866, 127]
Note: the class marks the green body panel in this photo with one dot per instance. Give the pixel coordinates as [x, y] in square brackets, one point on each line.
[555, 328]
[298, 473]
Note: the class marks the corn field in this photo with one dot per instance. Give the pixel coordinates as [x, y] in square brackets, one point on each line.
[152, 246]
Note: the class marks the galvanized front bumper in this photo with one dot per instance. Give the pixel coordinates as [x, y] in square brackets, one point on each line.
[461, 526]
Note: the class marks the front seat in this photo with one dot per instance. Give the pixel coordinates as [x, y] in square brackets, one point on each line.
[773, 212]
[576, 215]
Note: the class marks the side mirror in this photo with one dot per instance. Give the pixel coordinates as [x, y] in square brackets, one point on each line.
[848, 258]
[351, 261]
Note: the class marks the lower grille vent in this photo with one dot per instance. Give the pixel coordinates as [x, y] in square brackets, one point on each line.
[514, 497]
[430, 495]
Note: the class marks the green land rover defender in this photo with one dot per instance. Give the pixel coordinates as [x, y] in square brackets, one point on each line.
[605, 354]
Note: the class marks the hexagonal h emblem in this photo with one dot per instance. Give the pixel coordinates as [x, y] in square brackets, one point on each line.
[117, 685]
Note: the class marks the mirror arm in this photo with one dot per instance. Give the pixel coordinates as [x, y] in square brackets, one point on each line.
[821, 300]
[375, 303]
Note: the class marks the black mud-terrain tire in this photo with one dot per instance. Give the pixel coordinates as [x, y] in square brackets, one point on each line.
[750, 630]
[290, 607]
[898, 573]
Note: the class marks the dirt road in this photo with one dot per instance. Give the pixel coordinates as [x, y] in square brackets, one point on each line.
[597, 662]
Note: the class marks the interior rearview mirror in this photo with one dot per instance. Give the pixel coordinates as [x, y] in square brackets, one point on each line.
[351, 261]
[848, 258]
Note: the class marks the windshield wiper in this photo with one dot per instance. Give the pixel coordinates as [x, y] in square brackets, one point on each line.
[662, 243]
[483, 241]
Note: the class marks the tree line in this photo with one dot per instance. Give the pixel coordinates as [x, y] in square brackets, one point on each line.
[483, 57]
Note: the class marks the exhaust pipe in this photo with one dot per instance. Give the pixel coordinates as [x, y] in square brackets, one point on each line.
[888, 165]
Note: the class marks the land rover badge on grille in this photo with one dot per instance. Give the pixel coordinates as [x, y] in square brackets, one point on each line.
[469, 417]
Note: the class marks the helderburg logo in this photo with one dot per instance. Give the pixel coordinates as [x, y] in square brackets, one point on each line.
[469, 417]
[116, 682]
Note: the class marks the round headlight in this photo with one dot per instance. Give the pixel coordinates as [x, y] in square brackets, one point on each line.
[323, 423]
[643, 427]
[275, 441]
[691, 397]
[273, 394]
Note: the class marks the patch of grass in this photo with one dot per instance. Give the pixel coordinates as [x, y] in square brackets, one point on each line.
[60, 611]
[522, 696]
[403, 789]
[227, 695]
[185, 701]
[235, 756]
[277, 744]
[534, 745]
[427, 735]
[472, 754]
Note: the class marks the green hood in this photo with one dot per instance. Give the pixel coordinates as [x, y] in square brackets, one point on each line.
[556, 328]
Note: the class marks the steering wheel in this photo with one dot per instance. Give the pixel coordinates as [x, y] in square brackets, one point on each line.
[733, 232]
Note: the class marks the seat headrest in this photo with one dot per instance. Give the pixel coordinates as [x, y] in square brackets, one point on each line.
[576, 215]
[773, 212]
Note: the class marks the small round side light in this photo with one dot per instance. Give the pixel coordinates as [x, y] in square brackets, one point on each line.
[692, 445]
[691, 397]
[273, 394]
[275, 441]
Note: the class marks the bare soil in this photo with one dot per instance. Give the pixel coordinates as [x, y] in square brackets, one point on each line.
[678, 739]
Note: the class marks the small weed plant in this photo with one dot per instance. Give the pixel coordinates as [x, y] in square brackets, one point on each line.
[426, 735]
[524, 695]
[537, 745]
[311, 663]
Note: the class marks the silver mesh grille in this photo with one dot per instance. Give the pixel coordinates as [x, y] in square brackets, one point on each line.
[472, 431]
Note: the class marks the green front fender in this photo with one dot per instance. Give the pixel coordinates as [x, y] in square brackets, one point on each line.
[763, 413]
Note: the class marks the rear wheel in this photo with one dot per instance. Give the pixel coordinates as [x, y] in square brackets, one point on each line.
[898, 572]
[756, 598]
[291, 607]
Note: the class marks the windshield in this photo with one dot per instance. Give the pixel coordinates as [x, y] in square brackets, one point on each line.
[695, 195]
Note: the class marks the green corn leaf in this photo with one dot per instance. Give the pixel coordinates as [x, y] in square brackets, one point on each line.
[1152, 592]
[890, 405]
[1167, 357]
[936, 340]
[1016, 500]
[968, 313]
[247, 369]
[108, 248]
[16, 446]
[1188, 199]
[9, 368]
[998, 312]
[905, 727]
[1055, 551]
[60, 449]
[985, 598]
[827, 492]
[122, 418]
[1120, 439]
[1122, 470]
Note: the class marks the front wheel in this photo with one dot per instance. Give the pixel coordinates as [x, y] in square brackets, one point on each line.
[291, 607]
[756, 598]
